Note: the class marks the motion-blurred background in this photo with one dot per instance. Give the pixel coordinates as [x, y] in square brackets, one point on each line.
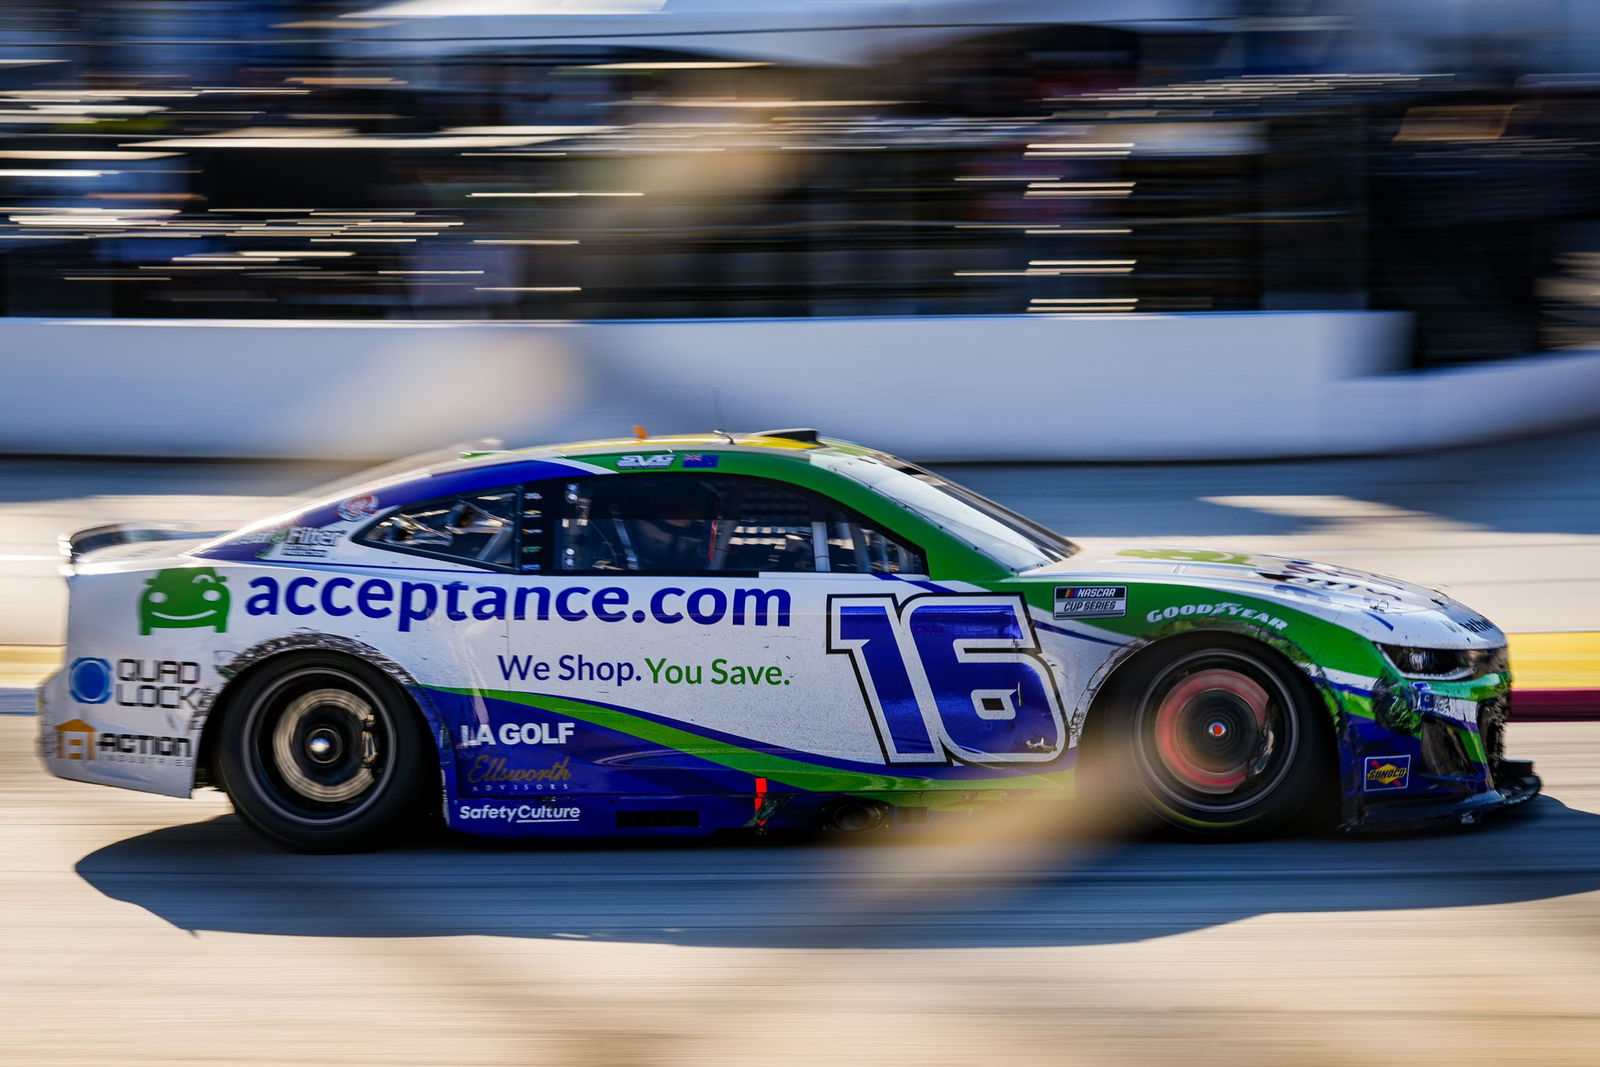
[1004, 229]
[1318, 277]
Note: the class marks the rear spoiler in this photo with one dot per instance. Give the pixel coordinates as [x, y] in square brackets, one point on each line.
[75, 546]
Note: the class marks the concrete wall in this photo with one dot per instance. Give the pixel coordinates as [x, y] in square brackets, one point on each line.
[1003, 388]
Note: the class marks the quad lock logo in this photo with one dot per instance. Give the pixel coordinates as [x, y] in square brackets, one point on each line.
[90, 680]
[182, 597]
[137, 683]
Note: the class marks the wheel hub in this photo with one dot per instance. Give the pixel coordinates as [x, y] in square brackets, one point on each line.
[1213, 731]
[325, 746]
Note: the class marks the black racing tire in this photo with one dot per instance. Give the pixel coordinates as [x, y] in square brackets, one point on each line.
[323, 753]
[1218, 737]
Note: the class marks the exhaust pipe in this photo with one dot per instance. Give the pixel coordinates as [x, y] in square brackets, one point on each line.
[858, 816]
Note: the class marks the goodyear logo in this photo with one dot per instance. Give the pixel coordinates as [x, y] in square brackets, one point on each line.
[1387, 773]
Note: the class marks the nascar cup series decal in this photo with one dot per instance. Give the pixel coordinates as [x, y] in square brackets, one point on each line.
[1091, 601]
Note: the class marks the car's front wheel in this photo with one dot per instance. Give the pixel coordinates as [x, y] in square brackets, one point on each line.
[322, 753]
[1222, 739]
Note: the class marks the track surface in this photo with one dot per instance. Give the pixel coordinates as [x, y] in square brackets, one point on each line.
[146, 930]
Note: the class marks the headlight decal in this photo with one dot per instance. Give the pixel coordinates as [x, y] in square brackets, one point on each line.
[1445, 664]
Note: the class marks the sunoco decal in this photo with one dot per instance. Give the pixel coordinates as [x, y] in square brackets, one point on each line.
[1385, 773]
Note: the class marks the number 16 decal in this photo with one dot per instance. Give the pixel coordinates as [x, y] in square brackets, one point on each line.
[951, 676]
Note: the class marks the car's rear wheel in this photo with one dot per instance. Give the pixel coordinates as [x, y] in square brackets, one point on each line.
[322, 754]
[1222, 739]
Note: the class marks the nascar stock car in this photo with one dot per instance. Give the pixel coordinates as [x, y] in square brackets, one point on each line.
[678, 635]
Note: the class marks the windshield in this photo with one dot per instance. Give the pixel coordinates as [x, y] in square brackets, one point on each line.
[1016, 543]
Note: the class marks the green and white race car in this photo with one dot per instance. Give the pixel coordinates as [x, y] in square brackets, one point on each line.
[678, 635]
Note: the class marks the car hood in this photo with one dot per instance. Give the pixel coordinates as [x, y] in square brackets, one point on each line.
[1384, 608]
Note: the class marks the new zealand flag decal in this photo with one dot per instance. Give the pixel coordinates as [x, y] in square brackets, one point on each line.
[696, 461]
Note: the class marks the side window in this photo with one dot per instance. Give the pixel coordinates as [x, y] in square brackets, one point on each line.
[857, 547]
[766, 526]
[714, 523]
[638, 523]
[473, 528]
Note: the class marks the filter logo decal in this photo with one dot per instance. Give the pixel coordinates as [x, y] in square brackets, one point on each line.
[1387, 773]
[311, 542]
[181, 597]
[90, 680]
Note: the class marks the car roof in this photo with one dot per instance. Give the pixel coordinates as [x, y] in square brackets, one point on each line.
[772, 442]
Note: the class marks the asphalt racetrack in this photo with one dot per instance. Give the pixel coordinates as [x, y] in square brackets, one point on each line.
[146, 930]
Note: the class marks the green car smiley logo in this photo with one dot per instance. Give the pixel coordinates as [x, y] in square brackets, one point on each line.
[184, 596]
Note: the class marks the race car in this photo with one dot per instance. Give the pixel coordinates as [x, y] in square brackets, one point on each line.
[690, 634]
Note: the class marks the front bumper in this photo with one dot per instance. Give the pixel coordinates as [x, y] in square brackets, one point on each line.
[1513, 784]
[1418, 754]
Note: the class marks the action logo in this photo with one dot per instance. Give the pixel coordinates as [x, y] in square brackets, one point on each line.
[182, 597]
[1387, 773]
[75, 740]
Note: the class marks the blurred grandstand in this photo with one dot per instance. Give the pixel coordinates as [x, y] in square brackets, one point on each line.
[610, 159]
